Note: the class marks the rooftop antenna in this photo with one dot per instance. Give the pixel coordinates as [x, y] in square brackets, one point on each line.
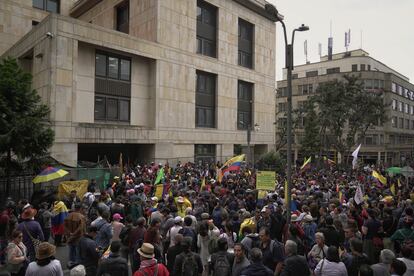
[305, 48]
[330, 43]
[347, 39]
[320, 50]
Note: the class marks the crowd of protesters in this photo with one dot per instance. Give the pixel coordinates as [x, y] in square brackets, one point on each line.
[202, 226]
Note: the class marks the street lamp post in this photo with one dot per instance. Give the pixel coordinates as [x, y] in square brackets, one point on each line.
[249, 136]
[289, 66]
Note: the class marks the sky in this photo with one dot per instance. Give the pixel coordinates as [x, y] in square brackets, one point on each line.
[386, 26]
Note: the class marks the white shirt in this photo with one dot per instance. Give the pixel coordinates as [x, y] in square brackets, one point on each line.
[172, 233]
[410, 266]
[52, 269]
[330, 268]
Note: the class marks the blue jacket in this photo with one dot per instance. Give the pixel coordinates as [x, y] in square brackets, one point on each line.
[104, 235]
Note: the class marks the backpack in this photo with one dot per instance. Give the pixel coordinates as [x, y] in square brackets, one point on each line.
[189, 266]
[212, 245]
[222, 265]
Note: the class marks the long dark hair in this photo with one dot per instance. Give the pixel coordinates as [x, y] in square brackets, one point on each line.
[333, 254]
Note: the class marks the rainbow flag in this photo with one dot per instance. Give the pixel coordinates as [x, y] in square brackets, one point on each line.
[60, 212]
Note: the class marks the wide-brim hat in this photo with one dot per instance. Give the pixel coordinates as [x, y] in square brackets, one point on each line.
[294, 218]
[146, 250]
[45, 250]
[29, 213]
[307, 218]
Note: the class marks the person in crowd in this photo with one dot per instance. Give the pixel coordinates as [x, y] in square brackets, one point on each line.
[174, 230]
[149, 265]
[44, 217]
[256, 268]
[407, 253]
[136, 239]
[60, 212]
[370, 229]
[88, 251]
[318, 251]
[114, 264]
[75, 227]
[294, 264]
[104, 235]
[189, 231]
[331, 265]
[71, 200]
[45, 263]
[240, 260]
[78, 270]
[383, 268]
[221, 261]
[117, 226]
[17, 255]
[32, 232]
[273, 255]
[356, 258]
[174, 251]
[398, 268]
[187, 263]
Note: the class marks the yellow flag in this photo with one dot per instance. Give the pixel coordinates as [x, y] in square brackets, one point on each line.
[399, 183]
[307, 161]
[378, 176]
[286, 191]
[392, 189]
[158, 190]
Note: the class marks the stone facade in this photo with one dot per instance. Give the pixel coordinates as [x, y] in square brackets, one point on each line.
[390, 144]
[161, 45]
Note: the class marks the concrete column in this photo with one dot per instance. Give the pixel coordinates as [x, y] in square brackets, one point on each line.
[379, 158]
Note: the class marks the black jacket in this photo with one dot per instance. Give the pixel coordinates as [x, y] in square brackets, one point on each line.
[295, 265]
[89, 255]
[256, 269]
[114, 265]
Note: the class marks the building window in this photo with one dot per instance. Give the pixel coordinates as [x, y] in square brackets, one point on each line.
[205, 153]
[400, 122]
[122, 17]
[412, 124]
[295, 76]
[206, 28]
[333, 70]
[394, 104]
[244, 104]
[305, 89]
[407, 124]
[406, 108]
[112, 87]
[354, 67]
[34, 23]
[47, 5]
[362, 67]
[282, 91]
[406, 92]
[246, 30]
[411, 109]
[205, 100]
[282, 107]
[282, 122]
[394, 121]
[394, 87]
[368, 84]
[369, 67]
[400, 90]
[312, 73]
[400, 106]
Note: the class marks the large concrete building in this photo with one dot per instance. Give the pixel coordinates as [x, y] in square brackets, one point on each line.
[154, 79]
[391, 143]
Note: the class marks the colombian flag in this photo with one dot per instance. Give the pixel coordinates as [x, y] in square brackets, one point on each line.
[60, 212]
[380, 178]
[233, 164]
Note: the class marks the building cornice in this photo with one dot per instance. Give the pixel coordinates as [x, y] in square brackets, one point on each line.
[82, 6]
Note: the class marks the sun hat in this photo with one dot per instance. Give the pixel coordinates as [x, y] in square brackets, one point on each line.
[146, 250]
[294, 218]
[117, 216]
[45, 250]
[308, 218]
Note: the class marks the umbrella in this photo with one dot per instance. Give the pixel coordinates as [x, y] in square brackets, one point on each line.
[48, 174]
[393, 170]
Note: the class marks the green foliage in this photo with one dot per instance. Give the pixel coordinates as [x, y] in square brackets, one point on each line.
[272, 160]
[25, 132]
[340, 113]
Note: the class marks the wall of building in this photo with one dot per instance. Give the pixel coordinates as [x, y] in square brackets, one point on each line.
[16, 18]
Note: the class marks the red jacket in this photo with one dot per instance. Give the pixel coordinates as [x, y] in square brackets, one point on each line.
[150, 270]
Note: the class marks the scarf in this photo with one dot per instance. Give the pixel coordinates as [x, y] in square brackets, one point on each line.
[148, 263]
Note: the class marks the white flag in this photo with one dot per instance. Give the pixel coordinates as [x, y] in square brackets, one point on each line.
[358, 197]
[355, 155]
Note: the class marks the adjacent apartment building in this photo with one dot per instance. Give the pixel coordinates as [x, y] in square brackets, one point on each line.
[155, 80]
[391, 143]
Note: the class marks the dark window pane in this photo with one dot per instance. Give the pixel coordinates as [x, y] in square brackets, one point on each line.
[198, 13]
[123, 110]
[112, 109]
[52, 6]
[362, 67]
[125, 69]
[99, 108]
[354, 67]
[38, 4]
[113, 67]
[122, 18]
[199, 49]
[100, 65]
